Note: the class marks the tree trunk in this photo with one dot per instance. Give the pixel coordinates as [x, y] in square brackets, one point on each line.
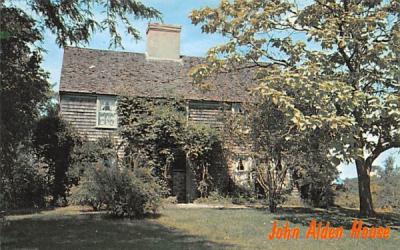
[272, 205]
[364, 189]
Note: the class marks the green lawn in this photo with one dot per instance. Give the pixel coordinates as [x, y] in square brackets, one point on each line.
[179, 228]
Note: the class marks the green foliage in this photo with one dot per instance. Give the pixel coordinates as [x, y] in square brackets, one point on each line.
[54, 140]
[388, 194]
[389, 169]
[203, 148]
[24, 87]
[122, 191]
[84, 157]
[74, 22]
[343, 65]
[23, 90]
[104, 183]
[157, 133]
[280, 150]
[87, 153]
[27, 188]
[315, 175]
[153, 131]
[276, 147]
[315, 185]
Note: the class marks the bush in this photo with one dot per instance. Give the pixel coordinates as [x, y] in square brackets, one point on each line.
[26, 188]
[86, 154]
[170, 200]
[315, 183]
[54, 140]
[317, 195]
[121, 191]
[214, 197]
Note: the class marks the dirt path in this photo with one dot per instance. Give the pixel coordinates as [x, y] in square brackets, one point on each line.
[201, 205]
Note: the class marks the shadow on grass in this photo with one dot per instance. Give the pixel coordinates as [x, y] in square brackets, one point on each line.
[337, 216]
[96, 232]
[27, 211]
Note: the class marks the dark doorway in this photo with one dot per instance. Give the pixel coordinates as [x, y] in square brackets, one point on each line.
[179, 178]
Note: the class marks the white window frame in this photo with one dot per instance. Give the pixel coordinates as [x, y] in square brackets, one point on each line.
[236, 108]
[247, 161]
[112, 99]
[241, 158]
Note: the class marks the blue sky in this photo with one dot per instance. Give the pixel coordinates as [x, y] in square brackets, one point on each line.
[193, 43]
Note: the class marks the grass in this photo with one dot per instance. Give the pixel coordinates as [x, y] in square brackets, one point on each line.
[180, 228]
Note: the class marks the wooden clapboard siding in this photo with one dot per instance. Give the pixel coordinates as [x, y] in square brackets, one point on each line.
[80, 112]
[208, 112]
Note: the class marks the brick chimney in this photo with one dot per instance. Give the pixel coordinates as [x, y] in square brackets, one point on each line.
[163, 41]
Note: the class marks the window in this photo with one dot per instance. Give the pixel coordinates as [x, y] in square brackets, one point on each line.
[240, 165]
[106, 112]
[241, 162]
[244, 163]
[237, 108]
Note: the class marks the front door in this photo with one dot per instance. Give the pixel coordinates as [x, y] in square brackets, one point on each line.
[179, 179]
[179, 185]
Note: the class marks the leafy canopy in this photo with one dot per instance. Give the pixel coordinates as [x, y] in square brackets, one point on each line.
[324, 63]
[23, 84]
[74, 22]
[339, 58]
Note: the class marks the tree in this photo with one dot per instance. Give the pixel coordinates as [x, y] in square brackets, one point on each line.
[24, 86]
[390, 169]
[339, 58]
[276, 148]
[74, 22]
[389, 183]
[54, 141]
[282, 152]
[23, 90]
[316, 173]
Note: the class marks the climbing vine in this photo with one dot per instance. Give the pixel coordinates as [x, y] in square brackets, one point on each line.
[157, 132]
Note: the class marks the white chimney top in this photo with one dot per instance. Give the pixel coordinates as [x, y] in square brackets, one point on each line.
[163, 42]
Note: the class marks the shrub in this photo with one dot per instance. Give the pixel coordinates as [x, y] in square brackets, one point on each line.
[120, 190]
[170, 200]
[315, 182]
[86, 154]
[54, 140]
[245, 195]
[318, 195]
[214, 197]
[27, 188]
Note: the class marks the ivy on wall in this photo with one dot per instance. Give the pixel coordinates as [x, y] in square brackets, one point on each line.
[157, 133]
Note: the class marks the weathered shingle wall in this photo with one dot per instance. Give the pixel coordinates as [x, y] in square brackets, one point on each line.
[80, 112]
[208, 112]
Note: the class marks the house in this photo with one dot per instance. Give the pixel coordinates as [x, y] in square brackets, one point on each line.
[91, 79]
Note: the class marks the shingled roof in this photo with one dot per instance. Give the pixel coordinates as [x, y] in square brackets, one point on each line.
[107, 72]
